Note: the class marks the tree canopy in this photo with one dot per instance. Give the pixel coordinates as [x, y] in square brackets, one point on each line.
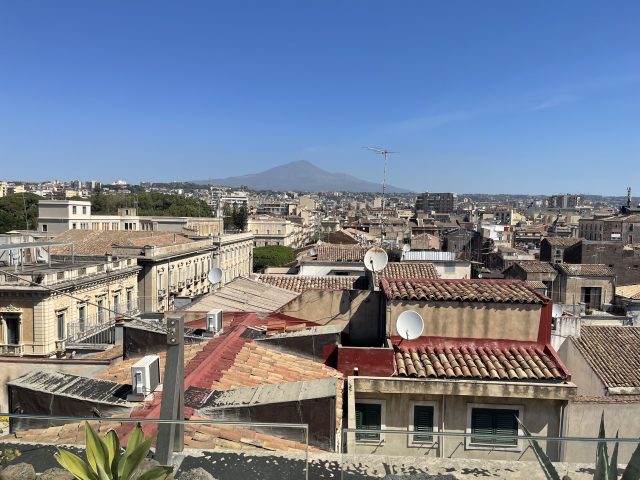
[12, 212]
[235, 218]
[272, 256]
[151, 204]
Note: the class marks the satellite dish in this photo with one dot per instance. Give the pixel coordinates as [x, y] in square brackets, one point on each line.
[375, 259]
[406, 247]
[409, 325]
[557, 310]
[313, 252]
[319, 242]
[214, 275]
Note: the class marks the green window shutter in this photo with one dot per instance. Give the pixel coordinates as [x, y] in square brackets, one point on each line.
[368, 417]
[488, 421]
[423, 422]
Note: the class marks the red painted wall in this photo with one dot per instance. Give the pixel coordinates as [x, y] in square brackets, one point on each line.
[371, 362]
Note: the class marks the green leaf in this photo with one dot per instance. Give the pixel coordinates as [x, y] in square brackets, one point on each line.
[96, 449]
[548, 469]
[602, 455]
[132, 461]
[135, 439]
[156, 473]
[102, 475]
[613, 463]
[74, 465]
[632, 472]
[114, 452]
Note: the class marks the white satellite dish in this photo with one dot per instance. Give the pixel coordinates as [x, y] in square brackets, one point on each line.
[375, 259]
[557, 310]
[313, 252]
[409, 325]
[319, 242]
[406, 248]
[214, 275]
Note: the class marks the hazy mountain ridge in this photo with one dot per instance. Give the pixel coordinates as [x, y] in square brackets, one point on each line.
[301, 176]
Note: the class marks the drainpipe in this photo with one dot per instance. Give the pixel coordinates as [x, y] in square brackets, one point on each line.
[563, 429]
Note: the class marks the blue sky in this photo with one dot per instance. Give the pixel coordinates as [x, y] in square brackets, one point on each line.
[476, 96]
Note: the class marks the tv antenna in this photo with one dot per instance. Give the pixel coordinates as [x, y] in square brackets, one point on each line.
[384, 152]
[375, 259]
[215, 275]
[409, 325]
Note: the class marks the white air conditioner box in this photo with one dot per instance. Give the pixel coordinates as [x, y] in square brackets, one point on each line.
[214, 320]
[145, 377]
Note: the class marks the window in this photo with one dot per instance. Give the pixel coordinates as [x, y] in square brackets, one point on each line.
[73, 226]
[84, 210]
[82, 316]
[369, 416]
[422, 420]
[591, 296]
[45, 227]
[74, 210]
[493, 420]
[116, 303]
[101, 310]
[129, 299]
[61, 325]
[160, 281]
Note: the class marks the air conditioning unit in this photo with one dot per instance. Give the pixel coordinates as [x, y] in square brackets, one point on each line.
[145, 378]
[214, 320]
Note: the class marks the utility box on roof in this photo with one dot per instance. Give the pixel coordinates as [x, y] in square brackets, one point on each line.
[145, 378]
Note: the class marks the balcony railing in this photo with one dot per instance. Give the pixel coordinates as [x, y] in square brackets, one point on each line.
[12, 349]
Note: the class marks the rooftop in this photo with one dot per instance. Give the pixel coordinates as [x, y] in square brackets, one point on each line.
[302, 283]
[562, 241]
[585, 270]
[444, 290]
[90, 242]
[613, 352]
[407, 270]
[328, 252]
[629, 291]
[478, 359]
[535, 266]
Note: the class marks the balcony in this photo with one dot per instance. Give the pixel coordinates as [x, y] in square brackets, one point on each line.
[162, 292]
[180, 284]
[189, 282]
[11, 349]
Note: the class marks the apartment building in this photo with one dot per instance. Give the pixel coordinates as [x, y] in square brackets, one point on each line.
[436, 202]
[234, 255]
[269, 230]
[44, 304]
[57, 216]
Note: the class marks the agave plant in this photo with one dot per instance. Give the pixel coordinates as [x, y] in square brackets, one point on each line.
[606, 468]
[106, 460]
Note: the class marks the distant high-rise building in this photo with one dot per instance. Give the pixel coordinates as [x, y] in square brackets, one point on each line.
[436, 202]
[565, 201]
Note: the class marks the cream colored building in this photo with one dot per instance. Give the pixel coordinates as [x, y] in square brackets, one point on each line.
[235, 255]
[3, 189]
[35, 321]
[57, 216]
[269, 230]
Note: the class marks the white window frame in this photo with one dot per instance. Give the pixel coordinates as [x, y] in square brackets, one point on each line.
[506, 448]
[436, 421]
[383, 409]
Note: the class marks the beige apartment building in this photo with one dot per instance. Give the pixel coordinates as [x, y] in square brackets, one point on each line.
[269, 230]
[235, 255]
[57, 216]
[87, 295]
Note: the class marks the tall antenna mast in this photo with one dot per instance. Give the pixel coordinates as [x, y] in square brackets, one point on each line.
[384, 152]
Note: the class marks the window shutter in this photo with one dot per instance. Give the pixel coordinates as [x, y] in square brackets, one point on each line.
[423, 422]
[481, 423]
[505, 424]
[368, 417]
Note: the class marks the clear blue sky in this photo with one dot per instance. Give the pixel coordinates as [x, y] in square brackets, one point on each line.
[476, 96]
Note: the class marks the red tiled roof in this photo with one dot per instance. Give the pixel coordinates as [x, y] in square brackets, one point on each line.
[93, 242]
[445, 290]
[407, 270]
[328, 252]
[585, 270]
[612, 352]
[478, 359]
[302, 283]
[562, 241]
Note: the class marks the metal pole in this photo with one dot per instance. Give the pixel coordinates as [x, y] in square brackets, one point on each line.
[171, 435]
[384, 186]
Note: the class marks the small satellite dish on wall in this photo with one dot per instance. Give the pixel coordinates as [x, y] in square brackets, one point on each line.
[557, 310]
[215, 275]
[313, 252]
[406, 247]
[319, 242]
[375, 259]
[409, 325]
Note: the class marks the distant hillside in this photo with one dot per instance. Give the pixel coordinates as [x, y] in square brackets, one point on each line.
[301, 176]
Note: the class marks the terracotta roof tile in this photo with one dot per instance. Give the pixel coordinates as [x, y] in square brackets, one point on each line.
[479, 359]
[302, 283]
[585, 270]
[90, 242]
[328, 252]
[443, 290]
[562, 241]
[612, 352]
[407, 270]
[535, 266]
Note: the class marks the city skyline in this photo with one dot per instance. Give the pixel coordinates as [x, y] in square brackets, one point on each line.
[490, 98]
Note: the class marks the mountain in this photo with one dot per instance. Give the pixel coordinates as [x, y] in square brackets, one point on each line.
[301, 176]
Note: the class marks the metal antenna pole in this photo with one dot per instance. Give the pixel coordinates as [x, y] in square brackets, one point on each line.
[384, 152]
